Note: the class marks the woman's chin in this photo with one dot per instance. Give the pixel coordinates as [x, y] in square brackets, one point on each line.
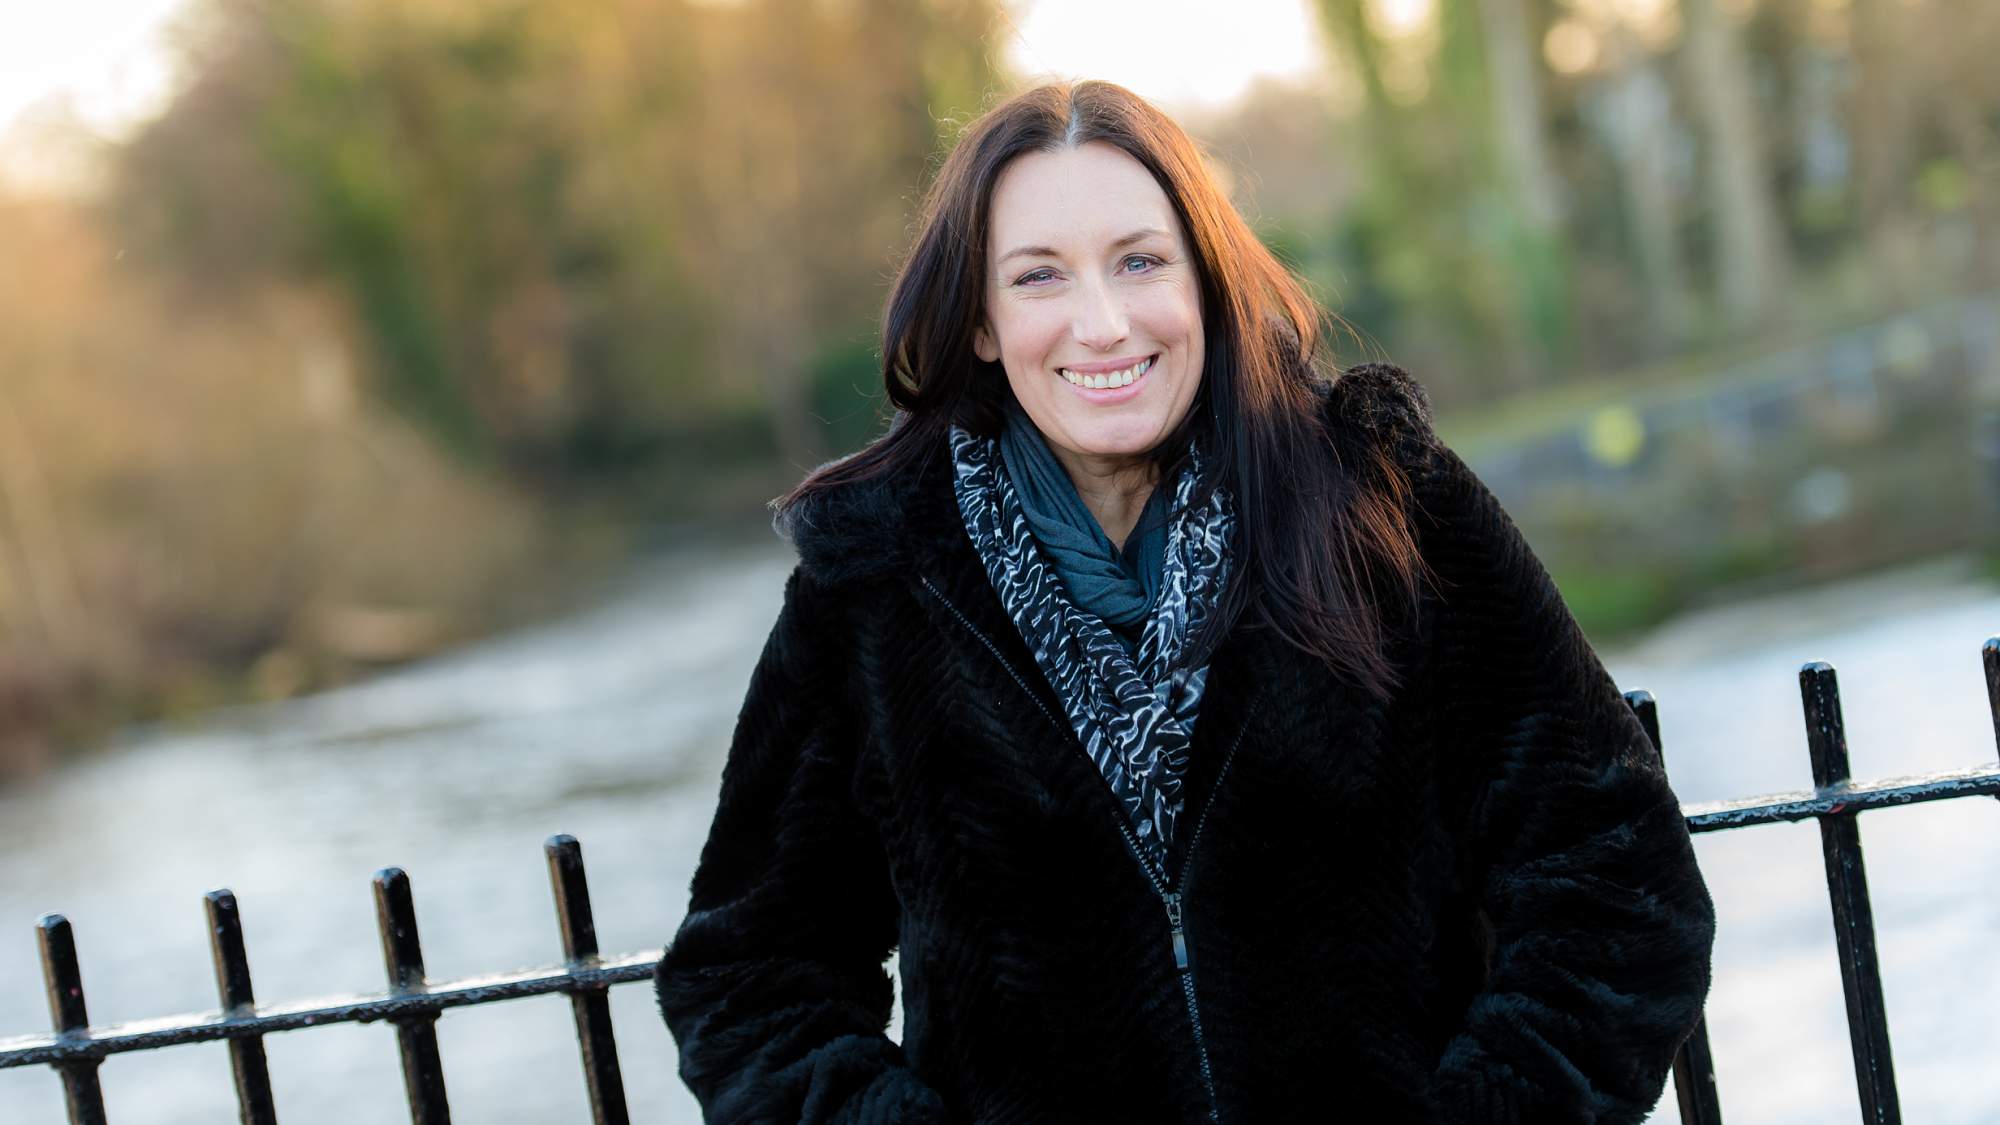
[1107, 438]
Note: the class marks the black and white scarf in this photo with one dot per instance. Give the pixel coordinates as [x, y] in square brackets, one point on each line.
[1134, 713]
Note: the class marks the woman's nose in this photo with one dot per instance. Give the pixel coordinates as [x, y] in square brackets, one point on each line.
[1099, 320]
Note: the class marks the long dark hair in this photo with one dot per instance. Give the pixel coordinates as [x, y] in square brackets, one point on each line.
[1324, 541]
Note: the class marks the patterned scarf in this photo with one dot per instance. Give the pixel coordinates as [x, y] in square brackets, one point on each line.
[1133, 713]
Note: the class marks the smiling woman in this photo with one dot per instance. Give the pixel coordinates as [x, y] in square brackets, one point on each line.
[1193, 721]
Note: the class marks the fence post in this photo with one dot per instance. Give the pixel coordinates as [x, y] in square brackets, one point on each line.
[403, 956]
[67, 1011]
[1694, 1063]
[591, 1006]
[232, 985]
[1847, 890]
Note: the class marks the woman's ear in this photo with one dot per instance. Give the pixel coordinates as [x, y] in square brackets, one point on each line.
[983, 344]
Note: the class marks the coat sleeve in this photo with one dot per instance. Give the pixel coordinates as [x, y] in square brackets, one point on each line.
[1572, 845]
[774, 986]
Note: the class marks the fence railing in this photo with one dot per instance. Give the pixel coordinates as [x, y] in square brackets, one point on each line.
[412, 1002]
[1836, 801]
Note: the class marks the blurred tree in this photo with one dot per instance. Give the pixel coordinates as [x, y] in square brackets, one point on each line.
[1512, 46]
[1959, 182]
[1456, 222]
[1881, 106]
[811, 152]
[1634, 113]
[1753, 263]
[573, 234]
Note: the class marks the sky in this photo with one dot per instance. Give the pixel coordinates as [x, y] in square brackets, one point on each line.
[109, 58]
[1180, 53]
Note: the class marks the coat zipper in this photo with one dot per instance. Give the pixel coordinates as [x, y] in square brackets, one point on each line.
[1183, 956]
[1171, 899]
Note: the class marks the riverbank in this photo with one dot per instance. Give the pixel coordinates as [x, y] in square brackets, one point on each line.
[204, 502]
[1870, 447]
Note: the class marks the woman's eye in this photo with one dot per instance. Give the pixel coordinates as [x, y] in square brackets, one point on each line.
[1147, 259]
[1030, 277]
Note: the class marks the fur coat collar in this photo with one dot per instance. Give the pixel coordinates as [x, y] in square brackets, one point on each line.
[1475, 903]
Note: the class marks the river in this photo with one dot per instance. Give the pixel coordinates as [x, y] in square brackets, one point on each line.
[611, 724]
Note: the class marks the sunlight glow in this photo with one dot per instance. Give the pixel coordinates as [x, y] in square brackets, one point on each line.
[105, 58]
[1180, 53]
[1401, 19]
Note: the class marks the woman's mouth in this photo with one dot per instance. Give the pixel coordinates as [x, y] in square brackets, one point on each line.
[1101, 386]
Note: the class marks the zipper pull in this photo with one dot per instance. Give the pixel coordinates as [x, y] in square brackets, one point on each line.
[1173, 902]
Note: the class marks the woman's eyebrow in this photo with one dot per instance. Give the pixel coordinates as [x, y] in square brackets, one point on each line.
[1047, 252]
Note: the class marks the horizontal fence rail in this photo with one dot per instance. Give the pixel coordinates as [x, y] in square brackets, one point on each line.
[206, 1027]
[412, 1003]
[1712, 816]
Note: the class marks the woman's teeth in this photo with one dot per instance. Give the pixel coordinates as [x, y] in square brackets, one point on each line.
[1107, 379]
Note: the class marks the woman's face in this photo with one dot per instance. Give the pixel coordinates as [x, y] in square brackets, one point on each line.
[1092, 304]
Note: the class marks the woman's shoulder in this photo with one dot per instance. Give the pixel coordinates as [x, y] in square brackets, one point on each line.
[856, 530]
[1379, 396]
[1382, 405]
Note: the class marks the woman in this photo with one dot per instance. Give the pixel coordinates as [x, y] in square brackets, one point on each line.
[1199, 729]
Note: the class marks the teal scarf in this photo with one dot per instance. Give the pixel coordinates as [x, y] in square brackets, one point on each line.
[1119, 586]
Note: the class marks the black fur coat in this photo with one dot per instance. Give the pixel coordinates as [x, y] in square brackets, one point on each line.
[1477, 904]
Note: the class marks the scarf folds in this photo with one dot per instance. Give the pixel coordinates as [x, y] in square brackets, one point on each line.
[1121, 587]
[1133, 713]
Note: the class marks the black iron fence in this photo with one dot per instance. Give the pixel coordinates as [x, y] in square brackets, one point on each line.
[412, 1002]
[1836, 801]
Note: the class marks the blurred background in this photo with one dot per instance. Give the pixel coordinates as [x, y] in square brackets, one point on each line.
[390, 391]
